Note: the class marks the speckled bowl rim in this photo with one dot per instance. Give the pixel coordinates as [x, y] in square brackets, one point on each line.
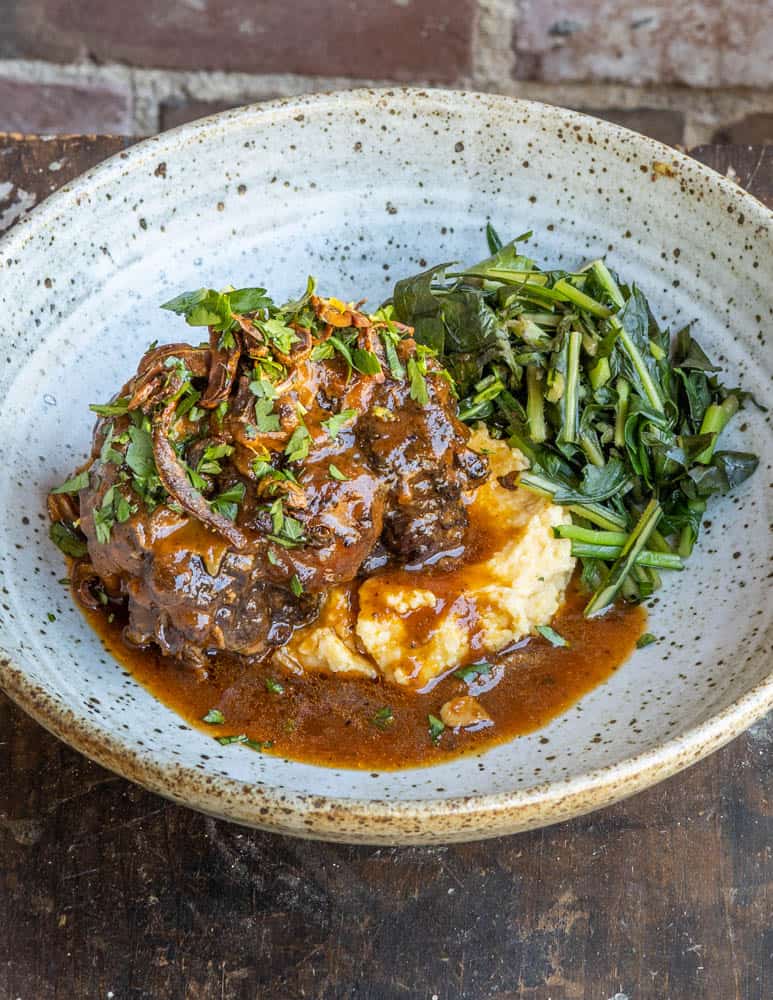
[378, 821]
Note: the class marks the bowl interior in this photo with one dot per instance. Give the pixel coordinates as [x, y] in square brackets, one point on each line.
[358, 190]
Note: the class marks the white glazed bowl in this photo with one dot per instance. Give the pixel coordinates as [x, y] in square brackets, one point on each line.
[360, 188]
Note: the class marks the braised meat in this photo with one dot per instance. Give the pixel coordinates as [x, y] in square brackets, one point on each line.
[232, 484]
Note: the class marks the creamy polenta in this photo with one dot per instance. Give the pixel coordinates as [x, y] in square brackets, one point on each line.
[414, 626]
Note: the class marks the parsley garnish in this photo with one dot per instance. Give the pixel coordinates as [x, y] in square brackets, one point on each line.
[214, 717]
[323, 351]
[390, 339]
[114, 409]
[274, 687]
[334, 424]
[206, 307]
[551, 635]
[384, 718]
[436, 728]
[335, 473]
[295, 585]
[209, 464]
[286, 530]
[281, 336]
[74, 485]
[473, 670]
[263, 388]
[107, 453]
[366, 362]
[418, 383]
[298, 446]
[645, 640]
[227, 502]
[244, 740]
[265, 418]
[342, 349]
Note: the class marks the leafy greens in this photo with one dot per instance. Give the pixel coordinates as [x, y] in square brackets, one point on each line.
[619, 420]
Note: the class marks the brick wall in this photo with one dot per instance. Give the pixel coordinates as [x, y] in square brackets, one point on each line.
[686, 72]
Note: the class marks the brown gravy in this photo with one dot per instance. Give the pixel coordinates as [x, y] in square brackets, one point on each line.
[329, 720]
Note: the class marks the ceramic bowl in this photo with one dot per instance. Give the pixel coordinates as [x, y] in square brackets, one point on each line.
[359, 188]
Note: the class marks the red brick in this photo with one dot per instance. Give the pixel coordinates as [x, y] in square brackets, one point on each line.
[703, 43]
[175, 113]
[753, 130]
[389, 39]
[667, 126]
[63, 108]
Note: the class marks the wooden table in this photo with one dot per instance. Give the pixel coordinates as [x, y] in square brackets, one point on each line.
[109, 891]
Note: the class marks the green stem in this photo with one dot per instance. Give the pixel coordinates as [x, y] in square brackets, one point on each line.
[608, 283]
[688, 535]
[623, 394]
[568, 292]
[612, 289]
[648, 558]
[715, 419]
[502, 275]
[636, 542]
[651, 391]
[658, 542]
[535, 411]
[598, 514]
[571, 389]
[592, 453]
[538, 484]
[542, 319]
[600, 373]
[578, 534]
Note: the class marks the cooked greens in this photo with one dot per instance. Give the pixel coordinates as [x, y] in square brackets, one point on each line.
[620, 421]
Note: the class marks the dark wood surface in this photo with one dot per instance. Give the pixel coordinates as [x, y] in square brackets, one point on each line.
[109, 891]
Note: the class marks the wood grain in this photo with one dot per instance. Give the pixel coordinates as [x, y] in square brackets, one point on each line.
[107, 890]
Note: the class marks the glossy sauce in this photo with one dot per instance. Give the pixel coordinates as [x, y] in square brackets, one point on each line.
[328, 720]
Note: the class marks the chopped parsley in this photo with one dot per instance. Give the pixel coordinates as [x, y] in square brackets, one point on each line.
[472, 671]
[335, 473]
[74, 485]
[115, 409]
[274, 687]
[263, 388]
[390, 339]
[214, 717]
[244, 740]
[366, 362]
[267, 421]
[323, 351]
[108, 454]
[209, 464]
[645, 640]
[297, 447]
[295, 585]
[282, 337]
[383, 719]
[419, 393]
[342, 349]
[436, 728]
[552, 636]
[335, 423]
[286, 530]
[227, 502]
